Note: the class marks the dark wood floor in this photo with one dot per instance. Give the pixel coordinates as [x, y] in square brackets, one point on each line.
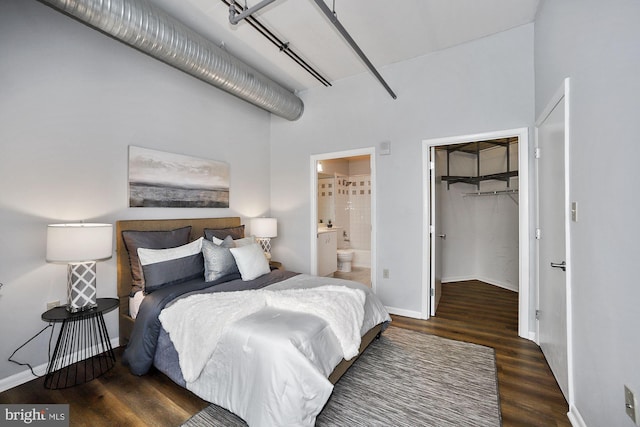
[483, 314]
[469, 311]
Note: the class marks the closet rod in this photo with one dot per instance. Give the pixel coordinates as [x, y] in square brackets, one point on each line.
[491, 193]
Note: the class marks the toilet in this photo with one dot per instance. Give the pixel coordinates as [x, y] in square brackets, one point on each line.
[345, 256]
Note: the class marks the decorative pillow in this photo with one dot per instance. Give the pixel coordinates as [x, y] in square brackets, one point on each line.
[152, 240]
[227, 242]
[151, 256]
[244, 241]
[221, 233]
[218, 261]
[251, 261]
[172, 272]
[165, 267]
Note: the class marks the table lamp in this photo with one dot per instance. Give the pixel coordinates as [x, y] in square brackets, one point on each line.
[264, 229]
[80, 246]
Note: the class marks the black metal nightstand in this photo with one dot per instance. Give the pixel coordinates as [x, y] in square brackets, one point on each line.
[83, 350]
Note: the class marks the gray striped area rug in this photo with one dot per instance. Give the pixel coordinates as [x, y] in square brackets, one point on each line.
[408, 379]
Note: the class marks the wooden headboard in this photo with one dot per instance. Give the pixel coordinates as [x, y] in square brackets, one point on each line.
[124, 269]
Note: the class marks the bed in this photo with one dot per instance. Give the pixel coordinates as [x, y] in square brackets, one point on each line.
[270, 353]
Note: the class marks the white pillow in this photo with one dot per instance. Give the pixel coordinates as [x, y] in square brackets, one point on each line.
[153, 256]
[251, 261]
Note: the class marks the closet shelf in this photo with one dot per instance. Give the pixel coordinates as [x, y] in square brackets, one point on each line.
[476, 180]
[475, 148]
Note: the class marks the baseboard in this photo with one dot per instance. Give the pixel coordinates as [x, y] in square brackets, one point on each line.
[575, 418]
[22, 377]
[457, 279]
[26, 375]
[482, 279]
[354, 265]
[508, 286]
[405, 313]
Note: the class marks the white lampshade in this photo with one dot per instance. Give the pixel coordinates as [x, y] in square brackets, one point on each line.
[264, 227]
[79, 242]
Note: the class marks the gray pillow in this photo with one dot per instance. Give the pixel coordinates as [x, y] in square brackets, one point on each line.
[172, 272]
[221, 233]
[151, 240]
[218, 261]
[228, 242]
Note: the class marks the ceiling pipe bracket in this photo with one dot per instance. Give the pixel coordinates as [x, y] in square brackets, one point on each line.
[283, 47]
[235, 17]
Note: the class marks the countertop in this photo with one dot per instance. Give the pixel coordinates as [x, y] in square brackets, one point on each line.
[325, 229]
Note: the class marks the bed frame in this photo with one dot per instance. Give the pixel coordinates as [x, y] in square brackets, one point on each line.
[197, 229]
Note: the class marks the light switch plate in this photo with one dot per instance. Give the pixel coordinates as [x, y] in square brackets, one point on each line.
[574, 211]
[385, 148]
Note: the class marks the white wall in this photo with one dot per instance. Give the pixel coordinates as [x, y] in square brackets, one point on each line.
[71, 101]
[458, 220]
[480, 86]
[595, 43]
[497, 222]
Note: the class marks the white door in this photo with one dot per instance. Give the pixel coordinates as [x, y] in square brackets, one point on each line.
[437, 236]
[552, 244]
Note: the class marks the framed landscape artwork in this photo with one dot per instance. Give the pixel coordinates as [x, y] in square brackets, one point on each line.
[161, 179]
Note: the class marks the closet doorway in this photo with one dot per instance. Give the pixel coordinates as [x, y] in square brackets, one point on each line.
[476, 218]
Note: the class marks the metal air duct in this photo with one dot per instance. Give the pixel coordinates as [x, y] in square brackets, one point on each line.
[148, 28]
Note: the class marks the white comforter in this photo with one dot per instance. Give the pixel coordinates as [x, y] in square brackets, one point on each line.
[261, 354]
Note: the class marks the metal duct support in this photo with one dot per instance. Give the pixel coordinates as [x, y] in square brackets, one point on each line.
[148, 28]
[343, 31]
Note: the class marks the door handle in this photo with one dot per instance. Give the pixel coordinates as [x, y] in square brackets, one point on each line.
[562, 265]
[442, 236]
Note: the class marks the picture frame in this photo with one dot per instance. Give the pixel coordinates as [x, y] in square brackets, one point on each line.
[162, 179]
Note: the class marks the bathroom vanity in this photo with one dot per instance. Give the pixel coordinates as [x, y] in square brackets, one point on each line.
[327, 242]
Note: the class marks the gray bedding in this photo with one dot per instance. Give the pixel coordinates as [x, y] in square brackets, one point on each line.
[150, 344]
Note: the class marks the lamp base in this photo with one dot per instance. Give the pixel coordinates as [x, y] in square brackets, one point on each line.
[265, 242]
[81, 286]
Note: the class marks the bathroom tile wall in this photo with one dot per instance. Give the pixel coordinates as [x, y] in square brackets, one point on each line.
[325, 199]
[359, 208]
[346, 201]
[342, 214]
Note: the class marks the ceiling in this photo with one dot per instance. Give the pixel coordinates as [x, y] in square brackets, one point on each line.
[387, 31]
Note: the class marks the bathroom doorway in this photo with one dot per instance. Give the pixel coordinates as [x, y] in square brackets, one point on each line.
[343, 207]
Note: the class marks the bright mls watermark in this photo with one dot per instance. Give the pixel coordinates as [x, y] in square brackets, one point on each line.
[34, 415]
